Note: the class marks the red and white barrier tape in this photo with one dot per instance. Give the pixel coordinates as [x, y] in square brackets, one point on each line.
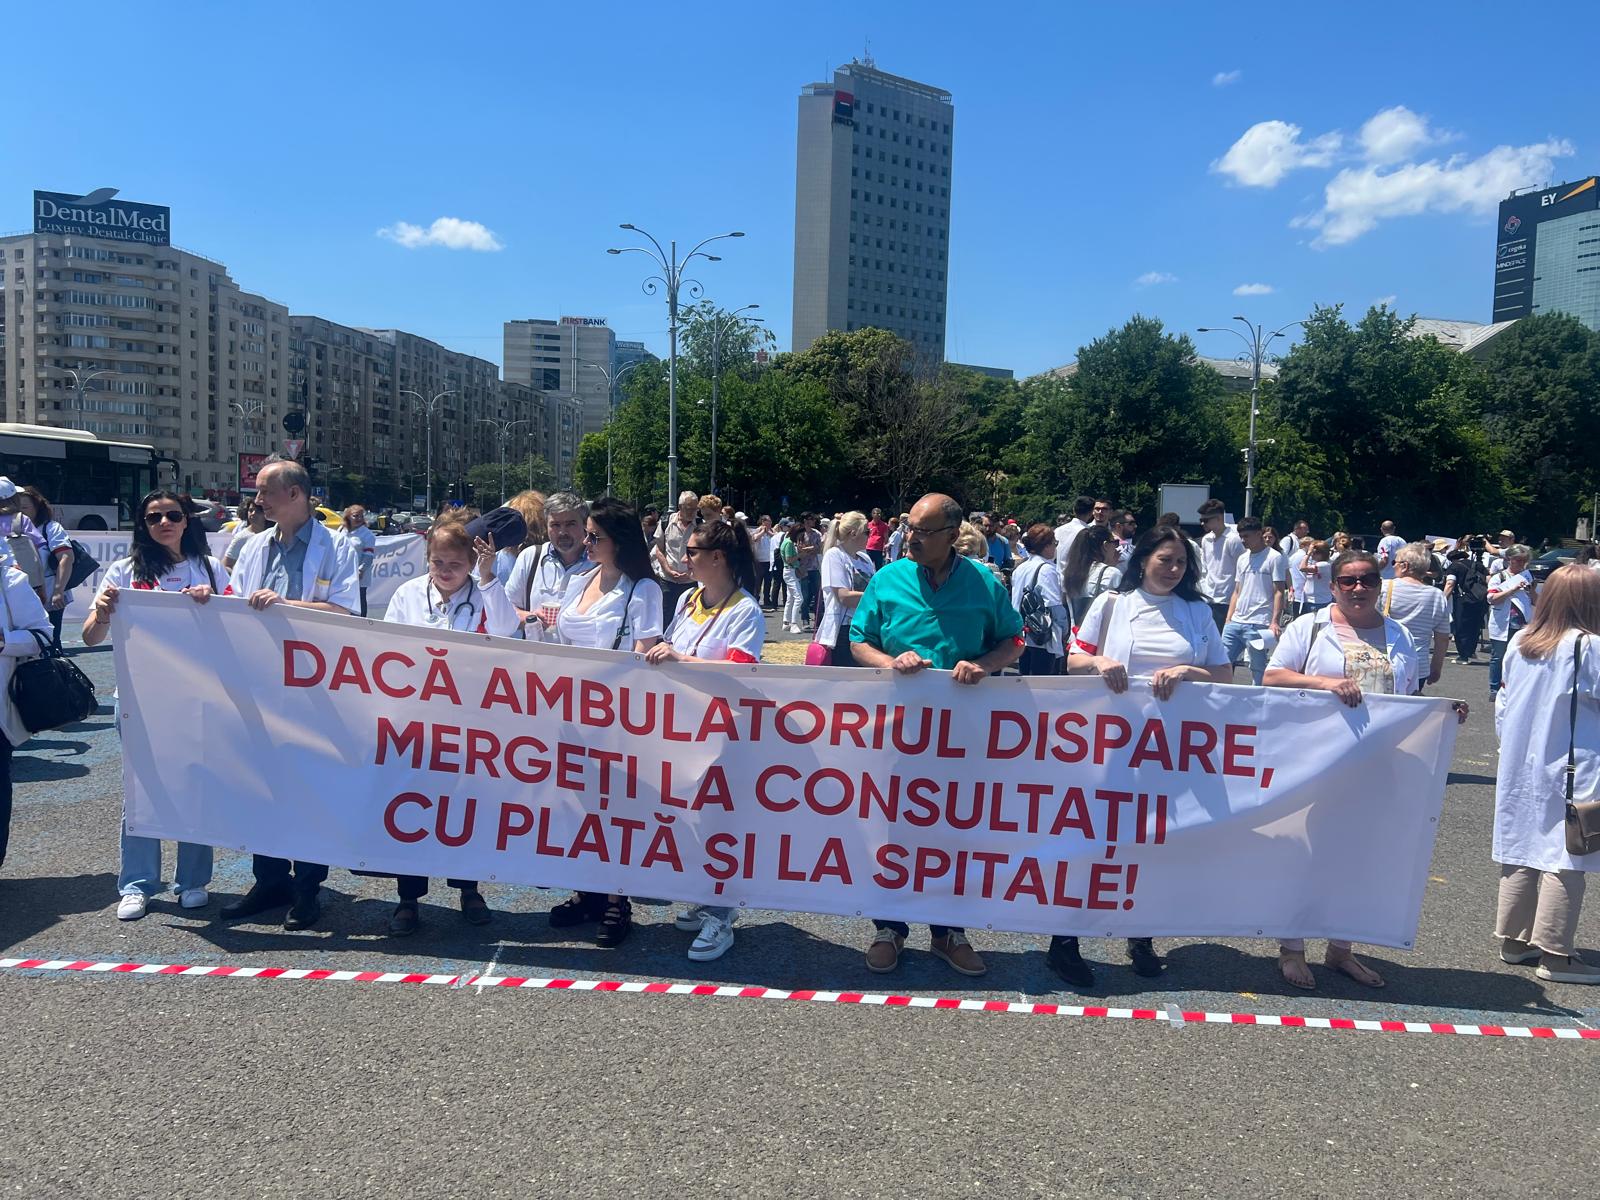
[1169, 1014]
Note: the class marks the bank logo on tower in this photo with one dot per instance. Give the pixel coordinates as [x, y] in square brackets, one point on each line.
[99, 214]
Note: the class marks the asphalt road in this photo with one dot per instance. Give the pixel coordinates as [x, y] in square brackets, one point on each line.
[124, 1085]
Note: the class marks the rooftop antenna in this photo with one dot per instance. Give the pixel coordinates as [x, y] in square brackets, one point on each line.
[866, 53]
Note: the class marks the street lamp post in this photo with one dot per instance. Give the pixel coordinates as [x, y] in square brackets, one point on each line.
[503, 428]
[80, 381]
[672, 279]
[430, 407]
[1256, 345]
[613, 381]
[718, 329]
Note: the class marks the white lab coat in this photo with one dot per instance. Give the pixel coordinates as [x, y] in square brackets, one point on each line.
[1532, 716]
[330, 571]
[22, 613]
[477, 607]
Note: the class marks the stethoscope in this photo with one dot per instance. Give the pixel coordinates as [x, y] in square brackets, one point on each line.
[467, 604]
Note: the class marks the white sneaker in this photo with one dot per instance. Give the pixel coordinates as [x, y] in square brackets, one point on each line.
[715, 940]
[194, 898]
[1554, 968]
[690, 919]
[131, 907]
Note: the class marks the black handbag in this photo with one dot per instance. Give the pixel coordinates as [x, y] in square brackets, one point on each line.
[50, 691]
[84, 564]
[1583, 816]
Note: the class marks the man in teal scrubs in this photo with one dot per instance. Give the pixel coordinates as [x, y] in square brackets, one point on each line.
[934, 608]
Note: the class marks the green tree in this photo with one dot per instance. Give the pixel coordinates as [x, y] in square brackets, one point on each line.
[589, 470]
[1541, 400]
[484, 479]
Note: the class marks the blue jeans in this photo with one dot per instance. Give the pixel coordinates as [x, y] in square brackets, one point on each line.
[1235, 640]
[141, 866]
[1497, 659]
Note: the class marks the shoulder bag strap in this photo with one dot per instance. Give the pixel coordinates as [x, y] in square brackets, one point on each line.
[1388, 597]
[1572, 722]
[1311, 643]
[624, 627]
[538, 559]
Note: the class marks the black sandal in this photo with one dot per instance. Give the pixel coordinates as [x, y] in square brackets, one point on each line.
[405, 920]
[615, 923]
[577, 909]
[474, 908]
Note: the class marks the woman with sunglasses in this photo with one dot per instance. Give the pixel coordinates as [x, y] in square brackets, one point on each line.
[169, 553]
[449, 597]
[616, 605]
[1156, 625]
[251, 522]
[717, 620]
[1350, 649]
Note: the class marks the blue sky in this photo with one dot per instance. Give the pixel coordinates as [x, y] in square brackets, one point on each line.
[1106, 160]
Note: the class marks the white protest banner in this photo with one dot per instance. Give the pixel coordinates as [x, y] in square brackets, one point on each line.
[396, 559]
[1035, 804]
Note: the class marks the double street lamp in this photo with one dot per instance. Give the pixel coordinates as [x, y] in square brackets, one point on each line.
[613, 381]
[503, 428]
[672, 279]
[430, 407]
[80, 382]
[1256, 344]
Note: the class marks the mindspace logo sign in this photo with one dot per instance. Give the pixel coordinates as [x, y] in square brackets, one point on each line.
[98, 214]
[1513, 224]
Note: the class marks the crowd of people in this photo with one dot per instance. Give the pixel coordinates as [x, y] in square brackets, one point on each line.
[974, 594]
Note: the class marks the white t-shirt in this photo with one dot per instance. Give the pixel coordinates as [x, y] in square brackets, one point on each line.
[1145, 632]
[1041, 571]
[762, 542]
[1317, 587]
[1297, 579]
[731, 632]
[363, 541]
[840, 570]
[55, 538]
[191, 572]
[1421, 610]
[1388, 547]
[1257, 576]
[1219, 561]
[474, 608]
[538, 578]
[1500, 614]
[1064, 535]
[598, 628]
[1340, 652]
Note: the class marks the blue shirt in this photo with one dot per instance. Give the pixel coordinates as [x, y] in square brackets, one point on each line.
[962, 620]
[285, 566]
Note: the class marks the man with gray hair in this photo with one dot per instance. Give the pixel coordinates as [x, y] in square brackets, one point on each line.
[935, 609]
[538, 579]
[671, 542]
[298, 563]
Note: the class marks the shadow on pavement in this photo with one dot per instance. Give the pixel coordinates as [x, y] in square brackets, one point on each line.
[26, 769]
[30, 905]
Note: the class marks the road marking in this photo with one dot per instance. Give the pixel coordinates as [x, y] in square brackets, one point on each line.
[1176, 1017]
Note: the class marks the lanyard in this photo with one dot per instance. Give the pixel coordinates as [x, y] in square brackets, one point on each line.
[694, 601]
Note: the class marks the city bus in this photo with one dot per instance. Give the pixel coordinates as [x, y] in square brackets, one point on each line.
[91, 483]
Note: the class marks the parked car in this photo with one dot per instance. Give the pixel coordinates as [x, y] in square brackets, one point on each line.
[1541, 567]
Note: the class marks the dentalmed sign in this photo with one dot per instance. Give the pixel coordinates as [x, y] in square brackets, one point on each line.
[99, 215]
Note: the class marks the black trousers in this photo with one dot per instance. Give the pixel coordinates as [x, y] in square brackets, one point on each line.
[275, 872]
[363, 602]
[1037, 660]
[414, 887]
[57, 615]
[1468, 629]
[5, 796]
[1219, 614]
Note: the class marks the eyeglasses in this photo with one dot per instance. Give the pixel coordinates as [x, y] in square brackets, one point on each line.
[153, 519]
[1371, 581]
[921, 532]
[591, 538]
[692, 551]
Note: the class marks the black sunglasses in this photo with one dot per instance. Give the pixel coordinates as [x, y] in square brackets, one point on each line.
[153, 519]
[1370, 581]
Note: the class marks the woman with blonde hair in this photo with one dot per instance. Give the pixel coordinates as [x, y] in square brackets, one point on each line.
[846, 567]
[1547, 716]
[530, 507]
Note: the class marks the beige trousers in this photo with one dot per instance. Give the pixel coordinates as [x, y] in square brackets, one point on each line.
[1540, 907]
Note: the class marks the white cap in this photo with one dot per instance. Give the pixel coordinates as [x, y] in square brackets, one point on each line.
[8, 490]
[739, 516]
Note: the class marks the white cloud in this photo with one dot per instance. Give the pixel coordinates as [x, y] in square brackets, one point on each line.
[450, 232]
[1224, 78]
[1396, 134]
[1269, 150]
[1385, 301]
[1357, 198]
[1254, 289]
[1150, 278]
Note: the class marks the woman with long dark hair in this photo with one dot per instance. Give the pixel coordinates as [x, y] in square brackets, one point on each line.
[58, 548]
[1157, 625]
[1091, 569]
[718, 620]
[616, 605]
[169, 553]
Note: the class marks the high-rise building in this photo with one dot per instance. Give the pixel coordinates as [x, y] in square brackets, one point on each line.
[570, 357]
[1547, 253]
[186, 359]
[632, 352]
[872, 208]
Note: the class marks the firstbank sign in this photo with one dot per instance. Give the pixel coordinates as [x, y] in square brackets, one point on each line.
[98, 215]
